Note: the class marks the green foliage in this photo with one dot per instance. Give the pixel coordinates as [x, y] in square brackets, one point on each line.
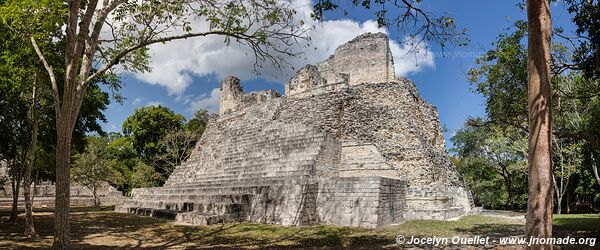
[160, 129]
[199, 121]
[501, 78]
[16, 71]
[124, 158]
[91, 168]
[20, 66]
[144, 176]
[42, 19]
[494, 164]
[175, 147]
[587, 53]
[148, 125]
[587, 187]
[484, 183]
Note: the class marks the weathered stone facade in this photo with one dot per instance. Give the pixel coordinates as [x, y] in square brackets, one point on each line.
[349, 144]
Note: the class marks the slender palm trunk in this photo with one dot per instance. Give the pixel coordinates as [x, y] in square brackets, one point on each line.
[540, 201]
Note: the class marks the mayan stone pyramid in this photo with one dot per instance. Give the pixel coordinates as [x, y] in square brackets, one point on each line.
[349, 144]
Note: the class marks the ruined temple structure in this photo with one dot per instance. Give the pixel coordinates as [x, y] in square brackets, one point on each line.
[349, 144]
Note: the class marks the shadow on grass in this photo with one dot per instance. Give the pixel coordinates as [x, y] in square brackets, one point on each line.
[101, 230]
[85, 225]
[494, 231]
[250, 235]
[105, 229]
[576, 225]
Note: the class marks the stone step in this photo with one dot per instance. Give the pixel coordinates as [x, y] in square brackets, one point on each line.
[158, 213]
[176, 197]
[200, 219]
[275, 147]
[289, 134]
[207, 189]
[234, 176]
[221, 183]
[242, 175]
[256, 162]
[274, 156]
[205, 207]
[433, 214]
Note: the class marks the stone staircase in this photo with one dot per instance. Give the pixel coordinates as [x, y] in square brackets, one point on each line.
[236, 171]
[434, 203]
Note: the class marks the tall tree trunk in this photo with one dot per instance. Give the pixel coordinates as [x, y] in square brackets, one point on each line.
[62, 228]
[29, 228]
[16, 186]
[65, 125]
[540, 201]
[559, 197]
[595, 169]
[95, 195]
[510, 201]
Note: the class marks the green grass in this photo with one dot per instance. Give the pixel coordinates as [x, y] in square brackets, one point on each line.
[579, 225]
[93, 229]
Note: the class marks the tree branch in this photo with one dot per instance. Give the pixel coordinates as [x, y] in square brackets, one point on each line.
[50, 70]
[595, 141]
[92, 41]
[126, 51]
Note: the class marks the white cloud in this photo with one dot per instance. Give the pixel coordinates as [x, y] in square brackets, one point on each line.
[174, 63]
[153, 103]
[409, 59]
[208, 101]
[137, 101]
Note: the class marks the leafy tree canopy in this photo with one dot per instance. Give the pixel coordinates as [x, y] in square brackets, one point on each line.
[148, 125]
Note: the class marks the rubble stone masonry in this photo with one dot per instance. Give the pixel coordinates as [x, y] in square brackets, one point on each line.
[348, 144]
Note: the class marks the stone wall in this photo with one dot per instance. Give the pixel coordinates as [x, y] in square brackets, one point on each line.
[233, 97]
[362, 159]
[391, 117]
[44, 192]
[360, 201]
[365, 59]
[231, 94]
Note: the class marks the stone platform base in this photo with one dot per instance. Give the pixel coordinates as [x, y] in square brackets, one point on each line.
[345, 201]
[43, 196]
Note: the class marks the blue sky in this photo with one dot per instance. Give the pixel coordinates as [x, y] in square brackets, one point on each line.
[186, 74]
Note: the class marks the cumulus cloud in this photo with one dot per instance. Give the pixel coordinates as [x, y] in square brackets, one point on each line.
[153, 103]
[208, 101]
[175, 63]
[137, 101]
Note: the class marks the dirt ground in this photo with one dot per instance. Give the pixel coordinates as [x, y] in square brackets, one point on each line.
[103, 229]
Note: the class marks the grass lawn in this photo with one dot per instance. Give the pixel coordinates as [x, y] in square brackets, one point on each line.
[98, 229]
